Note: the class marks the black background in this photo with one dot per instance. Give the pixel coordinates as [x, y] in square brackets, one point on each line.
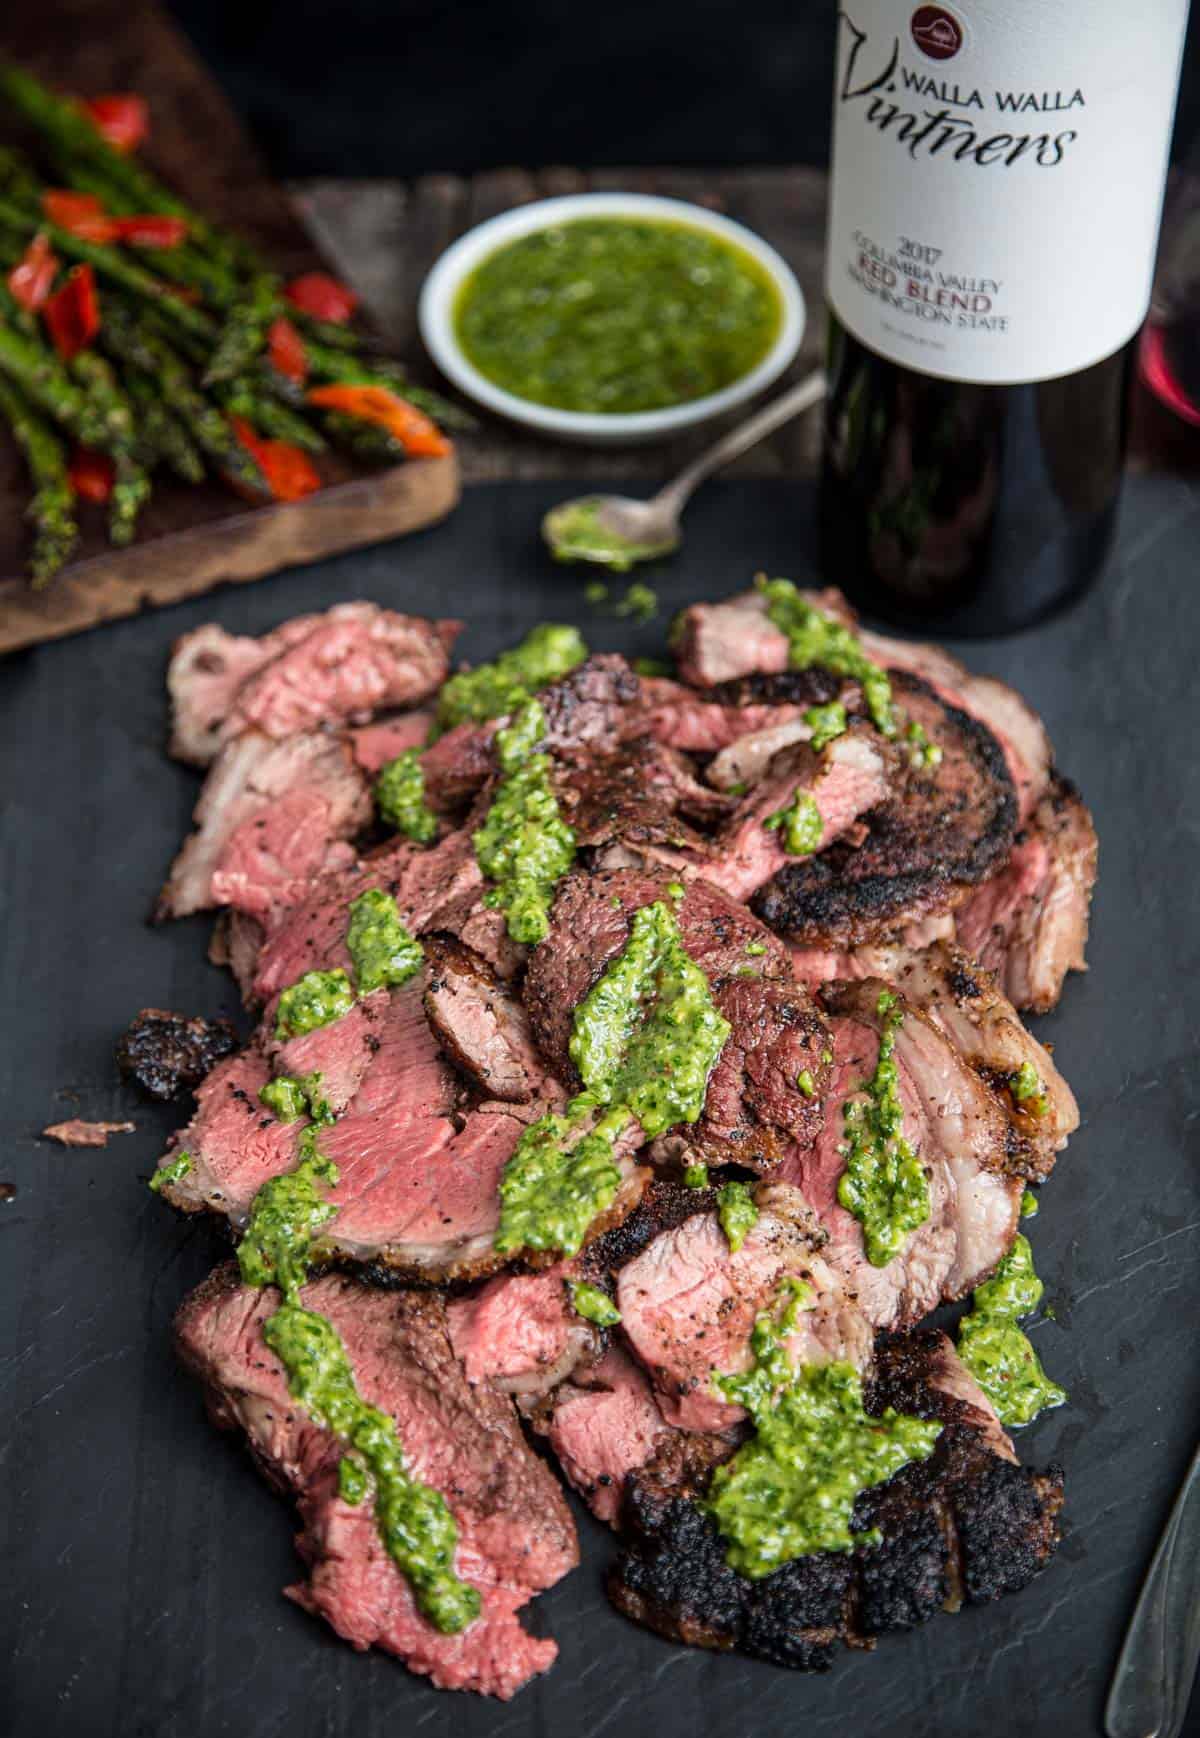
[143, 1555]
[399, 87]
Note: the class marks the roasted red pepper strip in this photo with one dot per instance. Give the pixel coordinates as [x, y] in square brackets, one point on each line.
[79, 214]
[419, 437]
[151, 230]
[91, 474]
[323, 297]
[123, 119]
[72, 314]
[31, 278]
[290, 473]
[286, 350]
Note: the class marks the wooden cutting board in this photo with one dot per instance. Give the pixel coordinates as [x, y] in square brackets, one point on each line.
[189, 539]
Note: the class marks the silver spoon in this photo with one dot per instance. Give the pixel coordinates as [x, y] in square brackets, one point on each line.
[1153, 1679]
[616, 531]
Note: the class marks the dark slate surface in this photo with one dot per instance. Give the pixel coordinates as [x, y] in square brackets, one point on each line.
[144, 1557]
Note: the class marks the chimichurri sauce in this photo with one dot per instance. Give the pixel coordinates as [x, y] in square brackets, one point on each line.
[883, 1184]
[173, 1171]
[414, 1520]
[613, 315]
[547, 653]
[995, 1350]
[791, 1489]
[799, 825]
[316, 999]
[292, 1096]
[815, 638]
[593, 1304]
[524, 845]
[383, 952]
[737, 1213]
[400, 798]
[645, 1039]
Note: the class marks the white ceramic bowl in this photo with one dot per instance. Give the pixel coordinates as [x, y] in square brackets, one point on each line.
[440, 293]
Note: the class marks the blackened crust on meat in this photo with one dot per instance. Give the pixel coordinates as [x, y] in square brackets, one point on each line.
[942, 834]
[583, 709]
[663, 1206]
[815, 686]
[168, 1054]
[965, 1526]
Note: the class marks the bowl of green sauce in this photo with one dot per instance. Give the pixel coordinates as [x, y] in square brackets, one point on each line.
[611, 318]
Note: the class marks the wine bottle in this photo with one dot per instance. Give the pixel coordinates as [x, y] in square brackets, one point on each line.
[996, 189]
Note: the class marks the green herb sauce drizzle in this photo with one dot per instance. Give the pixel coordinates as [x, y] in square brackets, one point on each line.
[414, 1520]
[316, 999]
[382, 951]
[827, 723]
[883, 1184]
[801, 825]
[644, 1039]
[815, 638]
[493, 690]
[172, 1172]
[524, 845]
[1027, 1090]
[292, 1096]
[737, 1213]
[791, 1489]
[593, 1304]
[995, 1350]
[400, 798]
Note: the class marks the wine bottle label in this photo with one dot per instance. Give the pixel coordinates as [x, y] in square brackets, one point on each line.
[998, 168]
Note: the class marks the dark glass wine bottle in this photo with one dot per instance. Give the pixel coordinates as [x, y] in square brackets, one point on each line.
[995, 195]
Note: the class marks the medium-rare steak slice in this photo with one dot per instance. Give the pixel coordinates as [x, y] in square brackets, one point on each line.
[720, 642]
[418, 1177]
[959, 1136]
[964, 1526]
[515, 1535]
[946, 830]
[169, 1054]
[375, 744]
[688, 1303]
[334, 668]
[270, 817]
[845, 779]
[480, 1023]
[590, 925]
[756, 1103]
[603, 1424]
[962, 1000]
[585, 712]
[521, 1331]
[1029, 922]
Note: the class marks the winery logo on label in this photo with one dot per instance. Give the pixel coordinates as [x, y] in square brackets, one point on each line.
[936, 32]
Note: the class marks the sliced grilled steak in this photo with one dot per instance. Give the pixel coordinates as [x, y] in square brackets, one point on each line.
[688, 1304]
[965, 1526]
[270, 817]
[170, 1054]
[720, 642]
[75, 1132]
[515, 1535]
[944, 832]
[960, 1136]
[520, 1331]
[375, 744]
[706, 721]
[338, 667]
[963, 1002]
[585, 711]
[418, 1178]
[602, 1425]
[846, 779]
[1018, 729]
[1029, 922]
[590, 926]
[481, 1025]
[755, 1105]
[340, 1053]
